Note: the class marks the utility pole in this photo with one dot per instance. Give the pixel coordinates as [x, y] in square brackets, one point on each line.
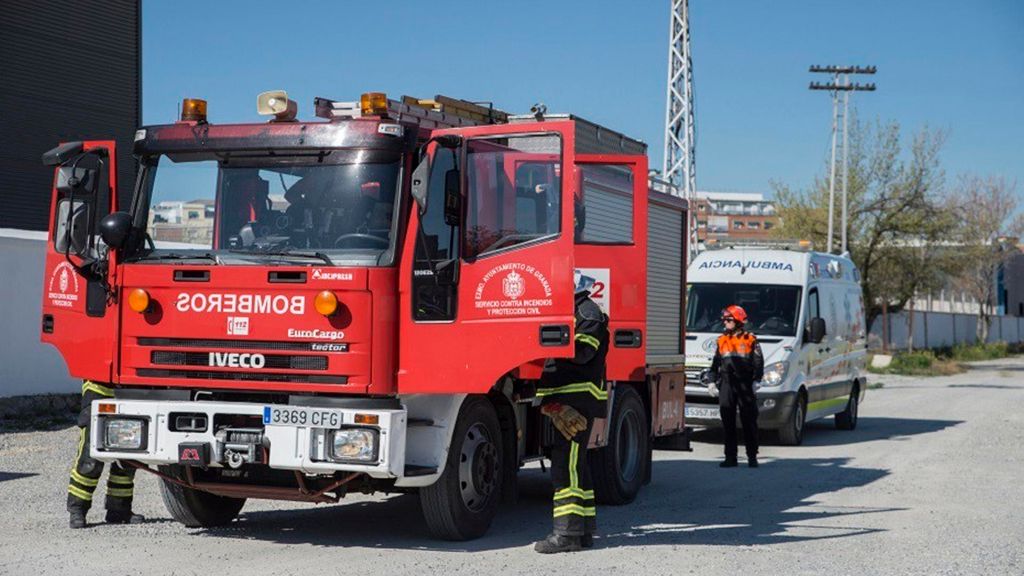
[840, 83]
[680, 160]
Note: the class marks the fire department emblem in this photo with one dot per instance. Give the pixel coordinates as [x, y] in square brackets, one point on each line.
[513, 286]
[63, 282]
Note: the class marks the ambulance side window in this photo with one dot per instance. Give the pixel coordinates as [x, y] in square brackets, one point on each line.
[437, 250]
[813, 311]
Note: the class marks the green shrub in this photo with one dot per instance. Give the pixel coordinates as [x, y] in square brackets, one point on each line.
[976, 352]
[912, 362]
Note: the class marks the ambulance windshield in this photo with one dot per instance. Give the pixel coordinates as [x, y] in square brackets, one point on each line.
[771, 310]
[338, 203]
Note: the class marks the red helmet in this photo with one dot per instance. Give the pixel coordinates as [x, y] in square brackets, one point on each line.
[736, 313]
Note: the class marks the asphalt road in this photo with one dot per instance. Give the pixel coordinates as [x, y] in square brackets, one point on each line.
[931, 482]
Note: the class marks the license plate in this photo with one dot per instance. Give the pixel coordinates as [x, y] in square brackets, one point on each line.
[296, 416]
[705, 412]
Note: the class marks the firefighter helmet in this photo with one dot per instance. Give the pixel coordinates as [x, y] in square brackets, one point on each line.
[736, 313]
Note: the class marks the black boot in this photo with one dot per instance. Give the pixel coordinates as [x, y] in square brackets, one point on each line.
[556, 543]
[124, 517]
[752, 461]
[587, 541]
[77, 519]
[728, 463]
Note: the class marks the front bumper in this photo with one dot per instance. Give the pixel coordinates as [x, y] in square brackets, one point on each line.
[300, 448]
[773, 408]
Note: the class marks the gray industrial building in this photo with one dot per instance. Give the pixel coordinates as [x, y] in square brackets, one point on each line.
[71, 71]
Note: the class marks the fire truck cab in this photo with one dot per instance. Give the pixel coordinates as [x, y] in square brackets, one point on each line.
[292, 310]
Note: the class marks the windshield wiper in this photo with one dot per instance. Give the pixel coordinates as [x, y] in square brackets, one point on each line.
[176, 256]
[296, 253]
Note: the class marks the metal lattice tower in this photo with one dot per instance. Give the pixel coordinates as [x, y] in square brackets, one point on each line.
[679, 167]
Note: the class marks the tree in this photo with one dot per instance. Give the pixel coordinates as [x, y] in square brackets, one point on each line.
[896, 214]
[987, 234]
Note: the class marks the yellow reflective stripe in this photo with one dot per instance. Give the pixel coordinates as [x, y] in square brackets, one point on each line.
[81, 445]
[84, 481]
[575, 509]
[120, 492]
[116, 479]
[574, 480]
[588, 339]
[574, 492]
[97, 388]
[79, 493]
[590, 387]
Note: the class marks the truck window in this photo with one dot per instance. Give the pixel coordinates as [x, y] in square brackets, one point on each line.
[437, 250]
[607, 215]
[772, 310]
[813, 310]
[513, 193]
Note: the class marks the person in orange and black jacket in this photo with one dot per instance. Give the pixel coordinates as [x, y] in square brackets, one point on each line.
[738, 363]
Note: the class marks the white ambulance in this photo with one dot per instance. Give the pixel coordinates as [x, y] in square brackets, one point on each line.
[806, 309]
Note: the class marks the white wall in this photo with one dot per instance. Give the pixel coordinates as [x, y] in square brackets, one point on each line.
[27, 366]
[942, 329]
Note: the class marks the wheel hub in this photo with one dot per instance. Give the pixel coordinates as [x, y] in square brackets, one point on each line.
[478, 467]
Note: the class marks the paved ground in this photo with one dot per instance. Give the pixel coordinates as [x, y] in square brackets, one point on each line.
[931, 482]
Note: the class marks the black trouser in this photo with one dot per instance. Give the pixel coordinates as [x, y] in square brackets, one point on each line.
[574, 510]
[740, 396]
[86, 471]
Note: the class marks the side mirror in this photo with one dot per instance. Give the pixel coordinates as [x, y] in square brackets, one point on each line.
[420, 182]
[72, 235]
[817, 330]
[115, 228]
[452, 197]
[77, 180]
[62, 153]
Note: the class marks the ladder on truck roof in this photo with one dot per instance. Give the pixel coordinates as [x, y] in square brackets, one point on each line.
[437, 112]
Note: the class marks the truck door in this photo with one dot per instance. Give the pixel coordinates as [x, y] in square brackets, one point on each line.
[487, 273]
[78, 313]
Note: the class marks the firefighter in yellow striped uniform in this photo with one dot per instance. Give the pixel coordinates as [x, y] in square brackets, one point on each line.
[572, 394]
[86, 471]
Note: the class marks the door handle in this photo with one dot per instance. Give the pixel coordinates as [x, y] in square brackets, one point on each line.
[554, 335]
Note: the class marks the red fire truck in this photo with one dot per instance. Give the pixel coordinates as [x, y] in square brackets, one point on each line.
[297, 309]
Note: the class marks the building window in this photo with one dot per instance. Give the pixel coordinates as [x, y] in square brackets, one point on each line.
[702, 224]
[737, 225]
[754, 225]
[768, 225]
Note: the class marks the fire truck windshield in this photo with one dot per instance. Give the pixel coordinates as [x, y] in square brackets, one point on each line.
[338, 203]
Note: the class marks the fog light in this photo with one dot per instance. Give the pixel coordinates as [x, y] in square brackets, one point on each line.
[138, 300]
[354, 444]
[769, 403]
[124, 434]
[326, 303]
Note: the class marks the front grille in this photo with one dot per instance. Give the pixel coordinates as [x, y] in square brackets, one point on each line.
[694, 399]
[280, 361]
[244, 376]
[243, 344]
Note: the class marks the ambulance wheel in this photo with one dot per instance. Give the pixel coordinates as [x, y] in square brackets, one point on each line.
[464, 501]
[195, 508]
[847, 419]
[792, 432]
[620, 468]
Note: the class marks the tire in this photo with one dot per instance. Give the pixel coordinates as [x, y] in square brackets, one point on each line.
[847, 419]
[195, 508]
[792, 434]
[620, 468]
[464, 501]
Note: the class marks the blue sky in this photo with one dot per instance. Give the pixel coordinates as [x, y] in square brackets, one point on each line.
[946, 64]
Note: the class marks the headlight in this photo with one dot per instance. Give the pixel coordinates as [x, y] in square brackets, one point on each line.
[124, 434]
[775, 374]
[354, 444]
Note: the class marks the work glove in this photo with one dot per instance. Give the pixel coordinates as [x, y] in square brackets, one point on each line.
[709, 381]
[565, 418]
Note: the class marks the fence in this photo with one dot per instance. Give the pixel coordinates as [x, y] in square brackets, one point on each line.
[941, 329]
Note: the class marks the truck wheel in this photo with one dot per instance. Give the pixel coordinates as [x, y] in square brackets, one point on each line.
[847, 419]
[464, 500]
[195, 508]
[792, 433]
[619, 469]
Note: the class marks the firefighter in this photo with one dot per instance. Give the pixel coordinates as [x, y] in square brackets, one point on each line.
[572, 394]
[738, 363]
[85, 473]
